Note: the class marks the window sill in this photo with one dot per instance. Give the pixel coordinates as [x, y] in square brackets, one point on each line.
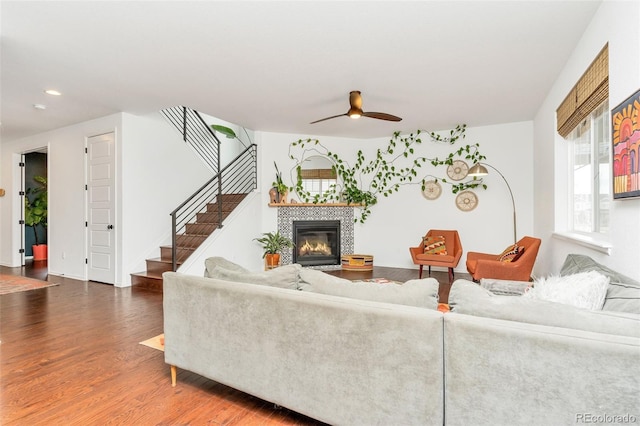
[586, 241]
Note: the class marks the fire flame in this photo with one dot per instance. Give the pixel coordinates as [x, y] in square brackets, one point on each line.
[314, 247]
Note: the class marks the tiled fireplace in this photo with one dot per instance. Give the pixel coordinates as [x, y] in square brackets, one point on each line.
[317, 242]
[340, 218]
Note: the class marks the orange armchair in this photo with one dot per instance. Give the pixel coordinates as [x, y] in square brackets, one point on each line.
[450, 260]
[484, 265]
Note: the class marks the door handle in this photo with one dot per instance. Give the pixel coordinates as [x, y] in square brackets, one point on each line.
[109, 226]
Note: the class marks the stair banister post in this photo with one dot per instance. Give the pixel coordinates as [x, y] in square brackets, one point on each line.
[174, 250]
[219, 188]
[184, 123]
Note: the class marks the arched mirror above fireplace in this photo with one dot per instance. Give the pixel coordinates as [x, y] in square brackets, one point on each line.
[317, 175]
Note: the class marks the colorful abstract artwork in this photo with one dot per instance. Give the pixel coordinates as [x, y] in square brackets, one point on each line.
[625, 128]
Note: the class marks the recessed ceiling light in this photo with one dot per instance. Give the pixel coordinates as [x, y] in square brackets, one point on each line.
[52, 92]
[39, 106]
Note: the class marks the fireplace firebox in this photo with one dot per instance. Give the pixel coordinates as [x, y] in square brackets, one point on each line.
[317, 242]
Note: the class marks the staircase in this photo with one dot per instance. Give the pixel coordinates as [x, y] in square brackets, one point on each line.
[194, 220]
[195, 234]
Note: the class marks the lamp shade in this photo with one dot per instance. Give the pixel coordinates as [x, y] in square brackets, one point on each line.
[478, 170]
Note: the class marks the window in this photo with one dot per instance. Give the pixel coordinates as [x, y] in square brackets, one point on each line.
[317, 186]
[318, 181]
[590, 176]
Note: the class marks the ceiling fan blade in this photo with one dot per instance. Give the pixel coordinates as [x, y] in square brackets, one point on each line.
[381, 116]
[328, 118]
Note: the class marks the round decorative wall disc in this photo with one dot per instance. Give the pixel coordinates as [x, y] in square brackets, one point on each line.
[467, 201]
[432, 190]
[458, 170]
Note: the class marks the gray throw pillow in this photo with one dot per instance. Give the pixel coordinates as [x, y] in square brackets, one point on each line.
[220, 262]
[469, 298]
[622, 297]
[623, 294]
[420, 293]
[286, 276]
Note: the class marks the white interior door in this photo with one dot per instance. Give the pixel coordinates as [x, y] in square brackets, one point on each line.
[101, 208]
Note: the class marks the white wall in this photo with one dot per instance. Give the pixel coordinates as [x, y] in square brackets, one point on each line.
[234, 241]
[66, 180]
[159, 171]
[230, 148]
[155, 172]
[399, 221]
[616, 22]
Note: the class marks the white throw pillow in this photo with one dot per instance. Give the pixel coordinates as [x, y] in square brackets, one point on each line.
[585, 290]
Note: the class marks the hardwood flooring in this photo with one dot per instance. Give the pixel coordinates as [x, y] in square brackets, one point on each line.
[70, 355]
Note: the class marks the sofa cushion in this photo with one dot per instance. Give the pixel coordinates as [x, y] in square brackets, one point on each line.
[421, 293]
[469, 298]
[622, 297]
[286, 276]
[505, 287]
[623, 294]
[215, 262]
[585, 290]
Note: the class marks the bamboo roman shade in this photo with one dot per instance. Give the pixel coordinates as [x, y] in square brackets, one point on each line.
[590, 91]
[318, 174]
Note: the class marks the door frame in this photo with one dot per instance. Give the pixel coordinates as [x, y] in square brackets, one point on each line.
[22, 193]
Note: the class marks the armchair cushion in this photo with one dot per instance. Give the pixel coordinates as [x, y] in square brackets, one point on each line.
[436, 258]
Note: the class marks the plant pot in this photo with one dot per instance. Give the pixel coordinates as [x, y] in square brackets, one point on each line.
[274, 197]
[39, 252]
[272, 260]
[283, 197]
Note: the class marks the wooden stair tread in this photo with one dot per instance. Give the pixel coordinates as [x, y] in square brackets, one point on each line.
[186, 243]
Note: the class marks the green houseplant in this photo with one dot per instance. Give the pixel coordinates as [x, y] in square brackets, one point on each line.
[362, 182]
[272, 244]
[35, 214]
[279, 186]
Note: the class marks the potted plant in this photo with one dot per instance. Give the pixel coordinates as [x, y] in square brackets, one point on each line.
[35, 214]
[272, 244]
[280, 188]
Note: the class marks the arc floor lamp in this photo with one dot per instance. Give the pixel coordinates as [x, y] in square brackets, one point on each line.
[479, 169]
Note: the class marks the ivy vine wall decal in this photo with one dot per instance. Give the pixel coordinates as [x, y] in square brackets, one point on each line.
[363, 182]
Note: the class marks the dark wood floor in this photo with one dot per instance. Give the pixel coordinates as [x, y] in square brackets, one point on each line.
[70, 354]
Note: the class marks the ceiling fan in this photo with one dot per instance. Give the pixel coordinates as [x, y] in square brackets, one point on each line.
[355, 110]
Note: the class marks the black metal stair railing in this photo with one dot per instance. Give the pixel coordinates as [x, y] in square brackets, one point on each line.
[196, 133]
[232, 183]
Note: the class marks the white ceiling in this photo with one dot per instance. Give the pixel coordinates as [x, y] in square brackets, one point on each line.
[276, 66]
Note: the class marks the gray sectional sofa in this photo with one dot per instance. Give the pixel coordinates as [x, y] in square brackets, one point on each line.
[379, 354]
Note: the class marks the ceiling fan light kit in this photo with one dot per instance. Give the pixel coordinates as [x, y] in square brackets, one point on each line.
[355, 110]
